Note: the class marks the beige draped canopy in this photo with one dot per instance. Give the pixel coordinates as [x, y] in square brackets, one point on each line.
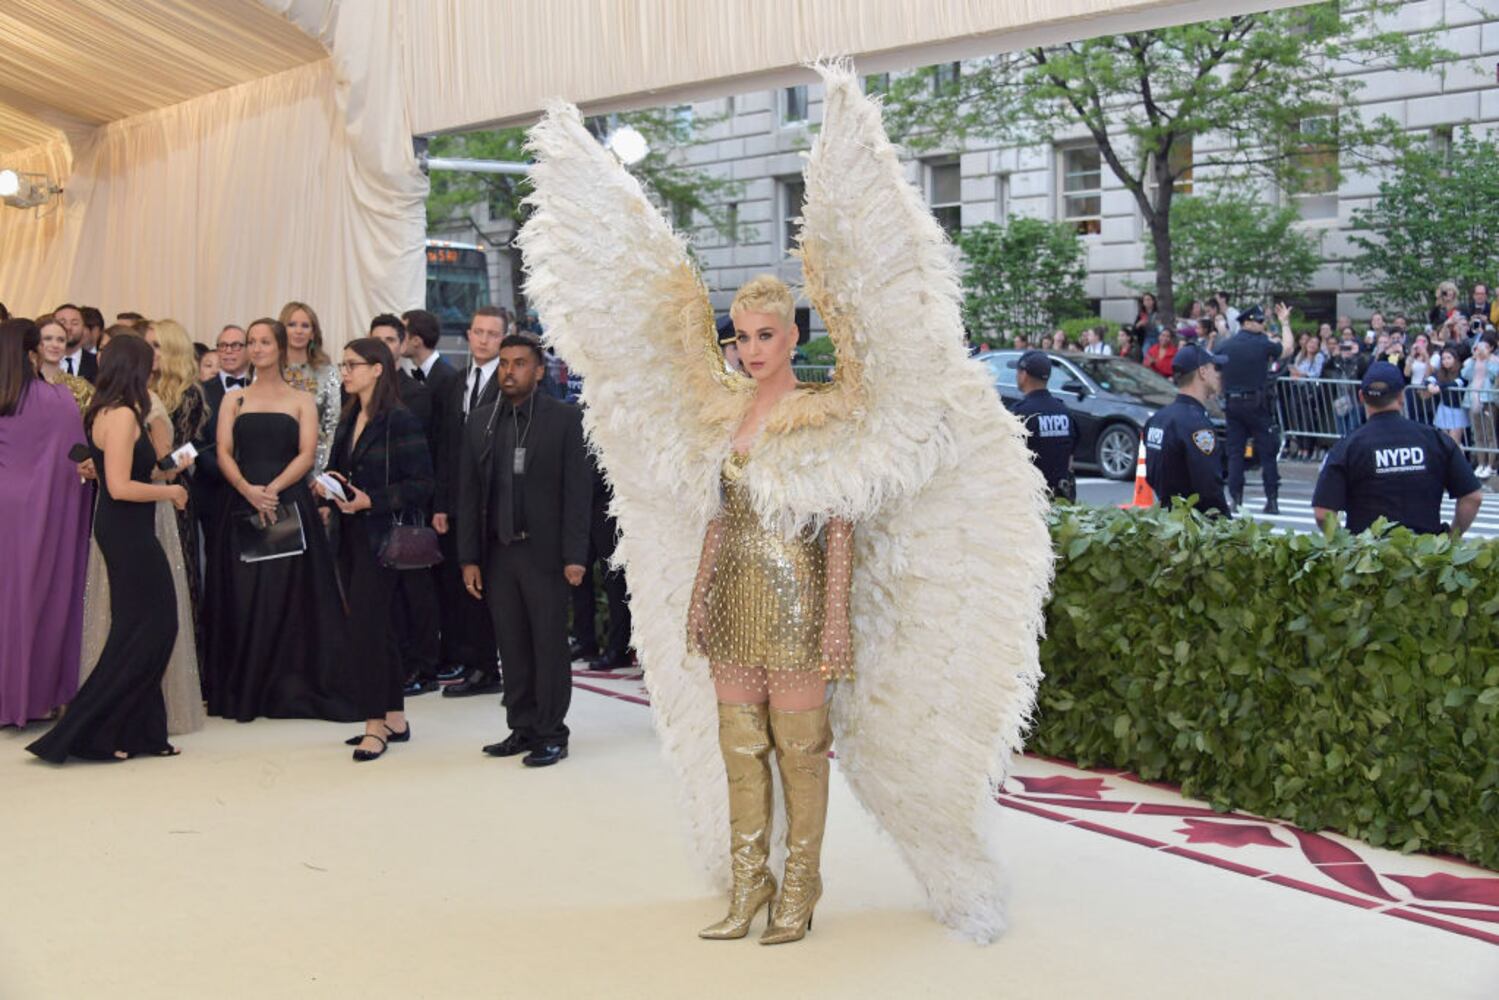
[219, 157]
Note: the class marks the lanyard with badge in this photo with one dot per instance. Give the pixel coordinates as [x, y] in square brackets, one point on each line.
[518, 464]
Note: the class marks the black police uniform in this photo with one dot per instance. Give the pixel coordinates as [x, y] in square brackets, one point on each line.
[1247, 407]
[1181, 456]
[1396, 468]
[1051, 434]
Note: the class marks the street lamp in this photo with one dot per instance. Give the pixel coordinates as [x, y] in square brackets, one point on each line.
[629, 145]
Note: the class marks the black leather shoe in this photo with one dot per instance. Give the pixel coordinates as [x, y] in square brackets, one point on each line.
[578, 652]
[509, 746]
[612, 661]
[449, 674]
[1238, 501]
[1271, 507]
[474, 683]
[417, 686]
[545, 756]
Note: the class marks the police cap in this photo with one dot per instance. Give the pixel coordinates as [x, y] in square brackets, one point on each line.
[1254, 314]
[1036, 364]
[1383, 381]
[1191, 357]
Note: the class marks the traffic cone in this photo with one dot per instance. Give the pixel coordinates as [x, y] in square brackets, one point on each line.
[1144, 495]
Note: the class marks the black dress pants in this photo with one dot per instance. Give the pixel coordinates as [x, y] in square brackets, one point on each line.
[528, 600]
[371, 590]
[604, 534]
[418, 620]
[468, 635]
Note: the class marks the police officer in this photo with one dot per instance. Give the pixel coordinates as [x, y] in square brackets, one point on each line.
[1051, 432]
[1394, 467]
[1181, 453]
[1247, 401]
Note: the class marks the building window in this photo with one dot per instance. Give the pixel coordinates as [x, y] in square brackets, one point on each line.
[728, 106]
[731, 219]
[1180, 161]
[682, 114]
[1082, 188]
[681, 216]
[945, 79]
[877, 83]
[793, 195]
[1001, 197]
[1440, 143]
[794, 105]
[944, 193]
[1316, 162]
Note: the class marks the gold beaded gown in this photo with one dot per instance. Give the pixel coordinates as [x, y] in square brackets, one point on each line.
[767, 597]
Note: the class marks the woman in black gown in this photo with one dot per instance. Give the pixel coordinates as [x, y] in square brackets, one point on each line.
[120, 712]
[380, 456]
[276, 630]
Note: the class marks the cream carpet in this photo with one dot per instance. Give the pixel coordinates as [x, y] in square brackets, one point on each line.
[263, 863]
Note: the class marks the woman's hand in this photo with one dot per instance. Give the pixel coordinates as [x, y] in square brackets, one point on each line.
[86, 470]
[358, 500]
[261, 498]
[697, 626]
[837, 645]
[178, 495]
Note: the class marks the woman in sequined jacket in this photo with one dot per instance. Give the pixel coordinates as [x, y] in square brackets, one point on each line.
[308, 368]
[771, 616]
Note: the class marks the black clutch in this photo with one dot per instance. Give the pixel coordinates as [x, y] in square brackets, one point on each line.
[258, 541]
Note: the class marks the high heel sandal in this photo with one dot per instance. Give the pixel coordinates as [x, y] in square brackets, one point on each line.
[363, 755]
[391, 736]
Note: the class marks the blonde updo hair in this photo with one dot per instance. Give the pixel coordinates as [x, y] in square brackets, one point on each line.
[765, 293]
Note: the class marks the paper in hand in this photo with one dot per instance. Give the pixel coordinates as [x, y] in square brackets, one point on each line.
[333, 486]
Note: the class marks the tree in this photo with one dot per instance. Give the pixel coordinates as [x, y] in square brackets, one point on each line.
[1256, 86]
[1434, 221]
[1023, 277]
[1236, 243]
[686, 192]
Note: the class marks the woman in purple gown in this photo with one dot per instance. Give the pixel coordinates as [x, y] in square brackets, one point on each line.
[44, 529]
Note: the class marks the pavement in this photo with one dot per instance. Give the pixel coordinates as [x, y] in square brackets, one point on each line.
[1297, 480]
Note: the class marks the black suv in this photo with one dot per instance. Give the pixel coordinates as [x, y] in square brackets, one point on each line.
[1110, 398]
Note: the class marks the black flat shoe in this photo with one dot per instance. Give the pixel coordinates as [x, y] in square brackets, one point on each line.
[363, 755]
[473, 685]
[391, 736]
[545, 756]
[508, 747]
[611, 661]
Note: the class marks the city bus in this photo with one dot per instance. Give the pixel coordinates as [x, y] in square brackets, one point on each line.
[457, 284]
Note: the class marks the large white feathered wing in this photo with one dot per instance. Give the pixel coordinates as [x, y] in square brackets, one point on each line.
[954, 564]
[624, 307]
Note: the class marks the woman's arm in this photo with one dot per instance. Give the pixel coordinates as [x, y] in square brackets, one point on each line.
[411, 483]
[697, 613]
[307, 446]
[325, 419]
[224, 438]
[837, 634]
[116, 432]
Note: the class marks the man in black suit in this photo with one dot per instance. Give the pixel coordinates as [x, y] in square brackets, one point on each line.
[78, 360]
[417, 614]
[523, 499]
[468, 640]
[603, 535]
[209, 488]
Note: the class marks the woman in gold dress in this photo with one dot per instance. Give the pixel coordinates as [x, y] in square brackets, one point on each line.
[50, 353]
[308, 368]
[771, 616]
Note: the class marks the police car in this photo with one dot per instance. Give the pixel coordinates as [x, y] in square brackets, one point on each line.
[1110, 398]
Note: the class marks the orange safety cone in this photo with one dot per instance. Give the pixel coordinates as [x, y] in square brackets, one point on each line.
[1144, 495]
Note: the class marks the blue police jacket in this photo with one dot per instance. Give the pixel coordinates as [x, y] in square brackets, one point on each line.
[1249, 358]
[1395, 468]
[1051, 434]
[1181, 456]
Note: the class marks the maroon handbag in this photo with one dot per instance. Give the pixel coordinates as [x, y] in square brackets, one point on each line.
[408, 546]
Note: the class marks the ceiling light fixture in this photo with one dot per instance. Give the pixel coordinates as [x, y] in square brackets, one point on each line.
[23, 190]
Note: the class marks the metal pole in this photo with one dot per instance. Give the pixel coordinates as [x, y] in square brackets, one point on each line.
[477, 166]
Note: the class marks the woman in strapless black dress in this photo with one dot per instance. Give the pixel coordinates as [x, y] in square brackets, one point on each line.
[120, 712]
[276, 636]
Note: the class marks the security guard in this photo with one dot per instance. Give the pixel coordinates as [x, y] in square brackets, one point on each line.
[1395, 468]
[1051, 431]
[1247, 402]
[1181, 453]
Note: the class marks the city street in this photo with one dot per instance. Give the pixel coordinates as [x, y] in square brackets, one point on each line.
[1297, 481]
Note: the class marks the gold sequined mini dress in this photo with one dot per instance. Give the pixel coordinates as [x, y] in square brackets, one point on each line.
[766, 600]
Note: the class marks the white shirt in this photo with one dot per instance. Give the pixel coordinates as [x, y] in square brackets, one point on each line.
[225, 376]
[1098, 348]
[72, 363]
[480, 375]
[426, 366]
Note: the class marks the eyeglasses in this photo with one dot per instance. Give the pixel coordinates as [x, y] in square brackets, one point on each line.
[232, 345]
[348, 366]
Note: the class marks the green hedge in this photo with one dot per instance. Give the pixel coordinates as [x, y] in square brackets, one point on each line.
[1338, 682]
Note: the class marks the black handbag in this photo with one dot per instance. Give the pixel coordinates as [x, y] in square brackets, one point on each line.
[408, 546]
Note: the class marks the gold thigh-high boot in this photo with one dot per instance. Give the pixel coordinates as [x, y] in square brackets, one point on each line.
[802, 741]
[744, 739]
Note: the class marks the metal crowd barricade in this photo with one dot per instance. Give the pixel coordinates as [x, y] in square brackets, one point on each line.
[1317, 412]
[813, 373]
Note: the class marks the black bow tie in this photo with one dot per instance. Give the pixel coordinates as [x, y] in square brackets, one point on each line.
[418, 374]
[231, 382]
